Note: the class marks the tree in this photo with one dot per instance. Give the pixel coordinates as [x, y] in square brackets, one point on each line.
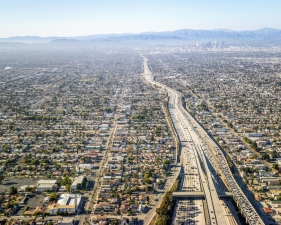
[1, 178]
[147, 181]
[265, 156]
[275, 166]
[136, 220]
[67, 188]
[53, 196]
[146, 175]
[7, 147]
[274, 154]
[229, 124]
[35, 162]
[29, 168]
[129, 191]
[151, 138]
[37, 213]
[13, 190]
[162, 220]
[47, 167]
[252, 178]
[7, 162]
[66, 180]
[255, 156]
[28, 189]
[204, 106]
[84, 182]
[247, 140]
[147, 200]
[247, 169]
[114, 222]
[254, 145]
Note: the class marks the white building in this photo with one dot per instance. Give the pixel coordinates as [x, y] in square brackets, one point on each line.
[46, 185]
[77, 182]
[84, 166]
[67, 203]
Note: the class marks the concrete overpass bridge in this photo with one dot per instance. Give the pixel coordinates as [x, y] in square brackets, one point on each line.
[190, 194]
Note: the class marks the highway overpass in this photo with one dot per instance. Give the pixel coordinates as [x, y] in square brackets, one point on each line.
[190, 194]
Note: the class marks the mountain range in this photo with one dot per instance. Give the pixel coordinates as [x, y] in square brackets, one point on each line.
[184, 35]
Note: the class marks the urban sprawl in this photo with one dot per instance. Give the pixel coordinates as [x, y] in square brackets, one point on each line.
[90, 136]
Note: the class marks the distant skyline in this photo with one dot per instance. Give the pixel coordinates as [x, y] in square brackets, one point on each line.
[87, 17]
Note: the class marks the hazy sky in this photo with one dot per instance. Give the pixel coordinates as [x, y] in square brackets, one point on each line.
[85, 17]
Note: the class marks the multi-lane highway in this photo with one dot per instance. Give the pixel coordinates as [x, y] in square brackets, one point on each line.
[203, 163]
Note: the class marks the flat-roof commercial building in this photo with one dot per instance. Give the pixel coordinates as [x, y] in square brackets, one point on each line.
[77, 183]
[67, 203]
[46, 185]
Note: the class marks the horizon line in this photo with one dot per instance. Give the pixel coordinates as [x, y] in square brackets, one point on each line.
[128, 33]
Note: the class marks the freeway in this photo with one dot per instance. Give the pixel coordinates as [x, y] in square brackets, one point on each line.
[203, 159]
[212, 199]
[214, 214]
[191, 210]
[212, 150]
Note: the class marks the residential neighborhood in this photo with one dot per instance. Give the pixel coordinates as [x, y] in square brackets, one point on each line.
[87, 138]
[84, 139]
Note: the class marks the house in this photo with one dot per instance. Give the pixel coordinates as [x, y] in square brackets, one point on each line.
[93, 147]
[105, 207]
[125, 207]
[254, 135]
[263, 173]
[134, 208]
[142, 197]
[273, 182]
[261, 143]
[31, 213]
[276, 203]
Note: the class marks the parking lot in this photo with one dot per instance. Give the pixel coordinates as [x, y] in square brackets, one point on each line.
[32, 201]
[16, 182]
